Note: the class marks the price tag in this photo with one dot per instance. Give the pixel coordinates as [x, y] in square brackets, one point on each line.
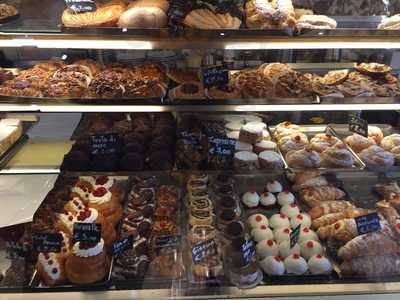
[87, 232]
[167, 241]
[215, 76]
[203, 250]
[15, 250]
[47, 242]
[248, 251]
[122, 245]
[221, 146]
[368, 223]
[294, 236]
[104, 143]
[81, 6]
[358, 125]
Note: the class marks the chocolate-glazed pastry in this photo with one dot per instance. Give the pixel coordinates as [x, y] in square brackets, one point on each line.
[227, 216]
[75, 161]
[129, 266]
[234, 230]
[122, 126]
[132, 162]
[163, 130]
[161, 143]
[133, 147]
[168, 195]
[227, 202]
[160, 160]
[135, 137]
[104, 162]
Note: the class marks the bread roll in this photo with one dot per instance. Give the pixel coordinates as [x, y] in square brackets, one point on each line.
[143, 17]
[163, 4]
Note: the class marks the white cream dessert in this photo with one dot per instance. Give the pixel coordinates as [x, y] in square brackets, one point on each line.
[252, 118]
[265, 146]
[279, 221]
[295, 264]
[272, 265]
[285, 197]
[233, 126]
[302, 219]
[307, 234]
[267, 199]
[270, 160]
[266, 135]
[262, 232]
[234, 135]
[251, 199]
[274, 186]
[290, 210]
[310, 248]
[285, 250]
[257, 124]
[282, 234]
[257, 220]
[240, 146]
[319, 264]
[267, 248]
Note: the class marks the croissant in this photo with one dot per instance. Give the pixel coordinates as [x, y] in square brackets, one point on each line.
[390, 214]
[329, 207]
[334, 217]
[370, 244]
[342, 230]
[372, 265]
[315, 195]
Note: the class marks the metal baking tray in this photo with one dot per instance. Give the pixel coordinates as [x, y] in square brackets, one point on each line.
[310, 131]
[149, 282]
[37, 284]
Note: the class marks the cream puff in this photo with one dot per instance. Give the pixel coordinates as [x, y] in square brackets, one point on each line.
[282, 234]
[285, 197]
[256, 220]
[290, 210]
[267, 248]
[261, 233]
[274, 186]
[302, 219]
[295, 264]
[267, 199]
[310, 248]
[319, 264]
[285, 250]
[273, 266]
[251, 199]
[279, 221]
[307, 234]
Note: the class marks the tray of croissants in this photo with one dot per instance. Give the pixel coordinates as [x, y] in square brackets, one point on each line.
[86, 199]
[335, 202]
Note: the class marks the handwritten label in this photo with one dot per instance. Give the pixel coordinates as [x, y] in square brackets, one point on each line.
[215, 76]
[203, 250]
[80, 6]
[191, 139]
[122, 245]
[15, 250]
[248, 251]
[294, 236]
[221, 146]
[104, 143]
[87, 232]
[368, 223]
[167, 241]
[47, 242]
[358, 125]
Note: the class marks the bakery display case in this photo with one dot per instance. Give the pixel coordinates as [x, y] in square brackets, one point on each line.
[199, 149]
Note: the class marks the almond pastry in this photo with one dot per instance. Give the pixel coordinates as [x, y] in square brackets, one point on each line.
[316, 22]
[380, 265]
[329, 207]
[303, 159]
[337, 157]
[315, 196]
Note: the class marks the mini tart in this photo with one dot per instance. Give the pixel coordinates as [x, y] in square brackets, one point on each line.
[267, 248]
[251, 199]
[257, 220]
[273, 266]
[282, 234]
[290, 210]
[319, 264]
[279, 221]
[267, 199]
[310, 248]
[285, 250]
[261, 233]
[285, 197]
[295, 264]
[274, 186]
[302, 219]
[188, 90]
[89, 258]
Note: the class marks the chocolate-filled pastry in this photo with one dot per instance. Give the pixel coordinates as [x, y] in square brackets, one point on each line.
[133, 147]
[234, 230]
[135, 137]
[227, 216]
[75, 161]
[122, 126]
[160, 160]
[160, 143]
[104, 162]
[129, 265]
[107, 84]
[163, 130]
[132, 162]
[227, 202]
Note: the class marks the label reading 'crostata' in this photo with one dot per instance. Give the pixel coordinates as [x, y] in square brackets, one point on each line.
[81, 6]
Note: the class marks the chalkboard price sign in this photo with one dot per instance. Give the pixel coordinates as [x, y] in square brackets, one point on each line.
[215, 76]
[80, 6]
[122, 245]
[248, 251]
[47, 242]
[358, 125]
[87, 232]
[204, 250]
[368, 223]
[221, 146]
[104, 143]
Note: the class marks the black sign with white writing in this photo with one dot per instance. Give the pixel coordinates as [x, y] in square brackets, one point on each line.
[47, 242]
[80, 6]
[215, 76]
[191, 139]
[368, 223]
[122, 245]
[358, 125]
[294, 236]
[221, 146]
[248, 251]
[15, 250]
[87, 232]
[104, 143]
[167, 241]
[203, 250]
